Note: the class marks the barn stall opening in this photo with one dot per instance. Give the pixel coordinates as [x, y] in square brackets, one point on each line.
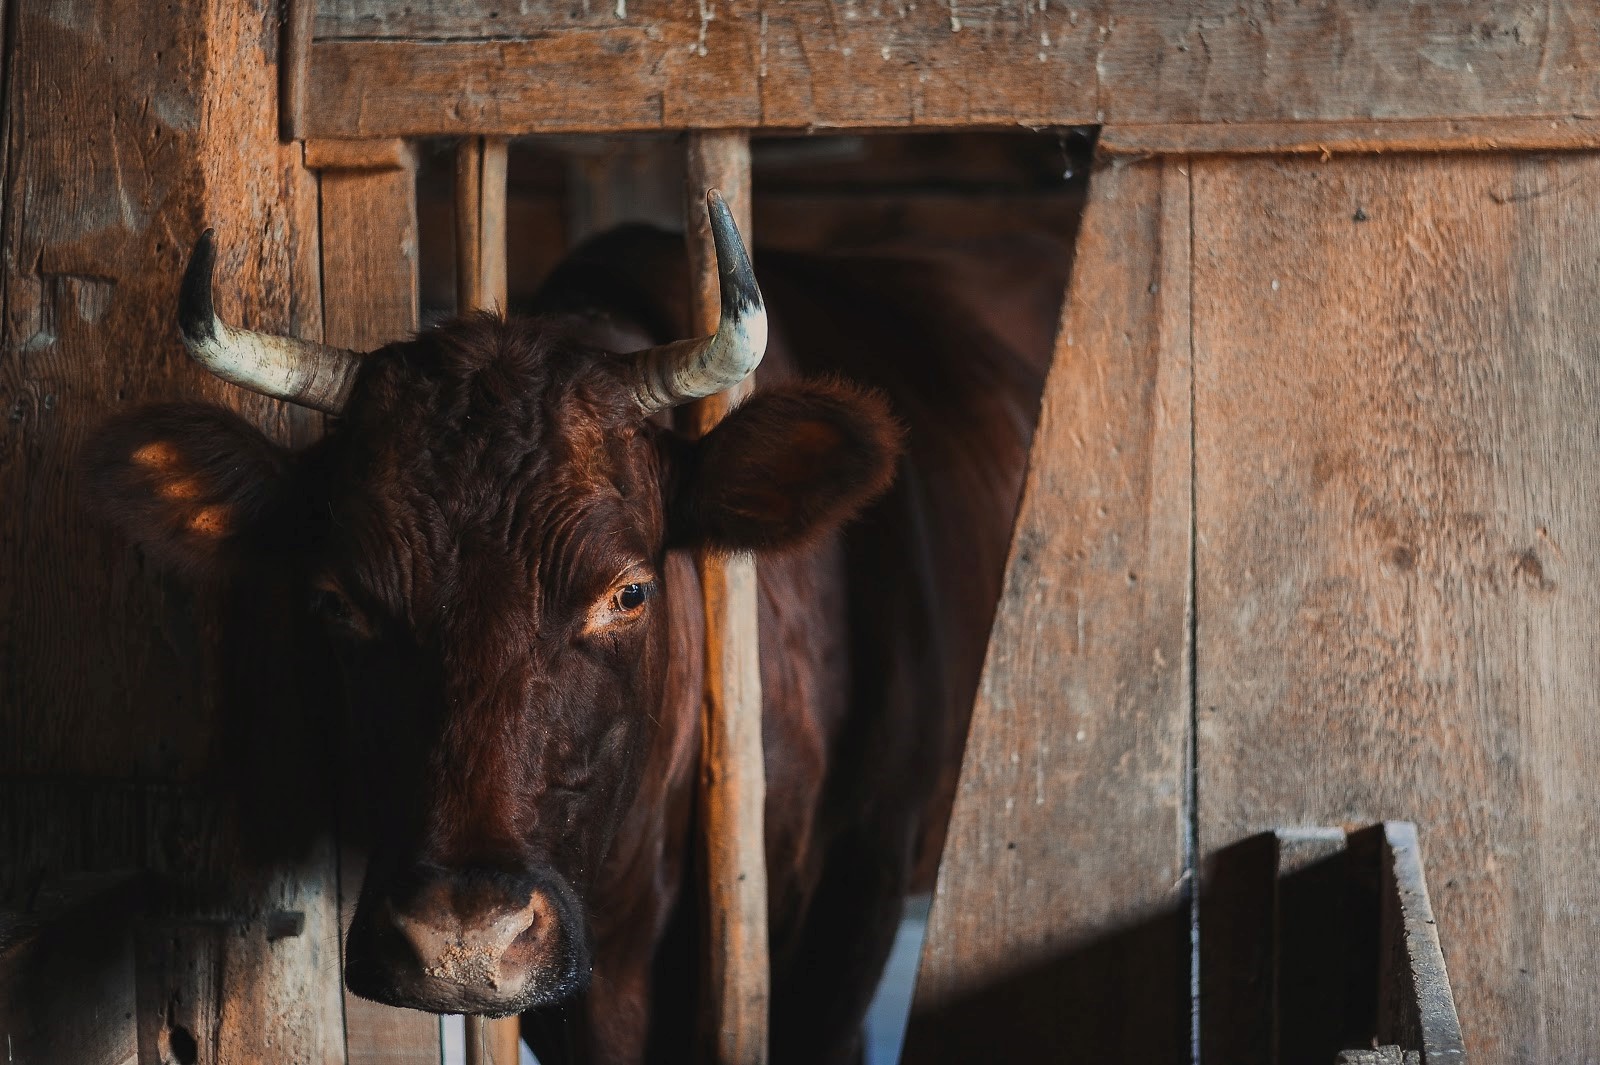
[1307, 540]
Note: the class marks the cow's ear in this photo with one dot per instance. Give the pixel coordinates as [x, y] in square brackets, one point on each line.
[184, 481]
[787, 466]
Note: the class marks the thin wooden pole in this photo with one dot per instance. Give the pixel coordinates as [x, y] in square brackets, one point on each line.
[481, 285]
[732, 771]
[481, 224]
[492, 1041]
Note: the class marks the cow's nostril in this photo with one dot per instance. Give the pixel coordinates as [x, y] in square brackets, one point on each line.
[468, 943]
[491, 951]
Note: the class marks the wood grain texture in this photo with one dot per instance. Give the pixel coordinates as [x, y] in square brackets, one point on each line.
[369, 256]
[1397, 366]
[107, 667]
[381, 69]
[1059, 929]
[732, 798]
[369, 289]
[1415, 973]
[492, 1042]
[470, 293]
[391, 154]
[294, 66]
[480, 216]
[1560, 133]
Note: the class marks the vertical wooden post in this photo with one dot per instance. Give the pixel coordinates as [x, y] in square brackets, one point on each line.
[481, 224]
[294, 63]
[481, 285]
[732, 772]
[496, 1041]
[368, 197]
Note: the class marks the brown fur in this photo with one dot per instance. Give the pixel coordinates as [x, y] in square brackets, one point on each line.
[490, 483]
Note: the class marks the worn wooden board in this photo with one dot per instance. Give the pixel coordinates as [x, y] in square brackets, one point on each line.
[1059, 930]
[381, 69]
[369, 254]
[1558, 133]
[1397, 368]
[369, 269]
[119, 148]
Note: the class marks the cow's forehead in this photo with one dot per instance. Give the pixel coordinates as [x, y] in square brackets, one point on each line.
[504, 438]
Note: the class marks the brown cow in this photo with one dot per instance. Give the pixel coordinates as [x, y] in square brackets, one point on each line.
[496, 540]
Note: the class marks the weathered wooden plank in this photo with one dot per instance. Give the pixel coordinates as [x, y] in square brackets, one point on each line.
[369, 254]
[1059, 930]
[1563, 132]
[1397, 364]
[480, 216]
[391, 154]
[388, 70]
[107, 668]
[733, 786]
[294, 66]
[369, 290]
[1418, 1008]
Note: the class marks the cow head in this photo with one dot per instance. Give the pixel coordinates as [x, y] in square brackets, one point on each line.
[480, 538]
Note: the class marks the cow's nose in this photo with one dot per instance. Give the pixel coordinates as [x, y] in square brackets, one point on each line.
[464, 944]
[487, 950]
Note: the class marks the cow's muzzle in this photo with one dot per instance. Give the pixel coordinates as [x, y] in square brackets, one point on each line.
[472, 941]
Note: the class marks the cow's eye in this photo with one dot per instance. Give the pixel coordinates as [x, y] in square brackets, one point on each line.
[333, 607]
[632, 597]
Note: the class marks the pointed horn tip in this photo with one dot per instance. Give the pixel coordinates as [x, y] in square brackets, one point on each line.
[196, 316]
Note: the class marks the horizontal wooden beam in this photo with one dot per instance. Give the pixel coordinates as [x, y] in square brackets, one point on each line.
[651, 64]
[373, 154]
[1567, 132]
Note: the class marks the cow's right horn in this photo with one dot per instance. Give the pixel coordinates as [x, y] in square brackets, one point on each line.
[671, 374]
[312, 375]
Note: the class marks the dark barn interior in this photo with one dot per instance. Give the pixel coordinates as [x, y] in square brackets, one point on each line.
[1280, 746]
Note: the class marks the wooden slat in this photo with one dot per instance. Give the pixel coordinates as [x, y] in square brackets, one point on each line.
[369, 253]
[1059, 929]
[110, 666]
[492, 1042]
[1420, 1010]
[294, 65]
[1564, 132]
[369, 287]
[388, 154]
[386, 70]
[1397, 361]
[732, 772]
[469, 223]
[480, 214]
[481, 224]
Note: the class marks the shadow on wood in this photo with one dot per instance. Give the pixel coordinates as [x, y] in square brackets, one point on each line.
[1074, 1007]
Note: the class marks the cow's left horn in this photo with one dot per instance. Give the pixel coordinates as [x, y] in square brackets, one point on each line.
[693, 369]
[312, 375]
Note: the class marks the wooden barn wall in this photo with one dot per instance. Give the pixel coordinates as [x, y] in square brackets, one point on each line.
[127, 128]
[1394, 522]
[1397, 380]
[383, 69]
[1059, 929]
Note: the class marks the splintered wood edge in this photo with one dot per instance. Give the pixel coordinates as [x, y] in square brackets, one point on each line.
[1441, 1028]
